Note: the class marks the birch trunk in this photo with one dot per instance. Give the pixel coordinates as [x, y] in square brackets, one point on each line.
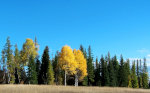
[65, 79]
[76, 80]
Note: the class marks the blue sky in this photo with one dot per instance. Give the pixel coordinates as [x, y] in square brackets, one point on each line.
[117, 26]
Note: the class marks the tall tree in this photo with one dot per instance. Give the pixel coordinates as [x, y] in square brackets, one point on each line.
[85, 80]
[145, 75]
[116, 69]
[58, 73]
[104, 71]
[90, 67]
[134, 77]
[112, 79]
[140, 76]
[81, 70]
[127, 73]
[122, 74]
[44, 66]
[138, 72]
[9, 59]
[50, 74]
[16, 76]
[67, 61]
[28, 49]
[32, 74]
[38, 65]
[97, 74]
[17, 65]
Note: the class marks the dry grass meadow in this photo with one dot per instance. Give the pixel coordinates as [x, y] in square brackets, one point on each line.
[63, 89]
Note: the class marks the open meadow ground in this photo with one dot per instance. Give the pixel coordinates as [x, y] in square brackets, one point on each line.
[63, 89]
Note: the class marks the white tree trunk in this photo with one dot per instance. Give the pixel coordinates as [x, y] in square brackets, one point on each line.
[65, 79]
[76, 80]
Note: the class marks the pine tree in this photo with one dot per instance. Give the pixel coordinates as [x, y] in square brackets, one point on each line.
[138, 72]
[116, 69]
[112, 79]
[140, 76]
[44, 66]
[17, 65]
[58, 73]
[23, 77]
[32, 74]
[16, 76]
[134, 77]
[83, 50]
[128, 73]
[97, 74]
[38, 65]
[111, 75]
[90, 67]
[145, 75]
[123, 77]
[50, 74]
[104, 72]
[10, 64]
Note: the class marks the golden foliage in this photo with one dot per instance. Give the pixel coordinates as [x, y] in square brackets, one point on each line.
[29, 47]
[67, 60]
[81, 64]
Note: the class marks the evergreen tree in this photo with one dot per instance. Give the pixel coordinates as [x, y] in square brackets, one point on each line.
[38, 65]
[122, 74]
[140, 76]
[16, 76]
[97, 74]
[111, 72]
[134, 77]
[32, 74]
[138, 72]
[23, 77]
[83, 50]
[127, 74]
[44, 66]
[90, 67]
[116, 69]
[104, 72]
[9, 59]
[58, 73]
[145, 75]
[17, 65]
[55, 68]
[50, 74]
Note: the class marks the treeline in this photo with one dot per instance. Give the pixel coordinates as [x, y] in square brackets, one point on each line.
[69, 67]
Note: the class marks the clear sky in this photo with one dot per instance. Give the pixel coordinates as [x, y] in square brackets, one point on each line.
[117, 26]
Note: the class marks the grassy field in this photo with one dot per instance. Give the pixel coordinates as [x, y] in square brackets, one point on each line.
[63, 89]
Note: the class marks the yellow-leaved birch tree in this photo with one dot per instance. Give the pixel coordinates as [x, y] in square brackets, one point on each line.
[67, 61]
[29, 48]
[81, 70]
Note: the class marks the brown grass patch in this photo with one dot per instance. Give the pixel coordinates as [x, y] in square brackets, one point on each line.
[63, 89]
